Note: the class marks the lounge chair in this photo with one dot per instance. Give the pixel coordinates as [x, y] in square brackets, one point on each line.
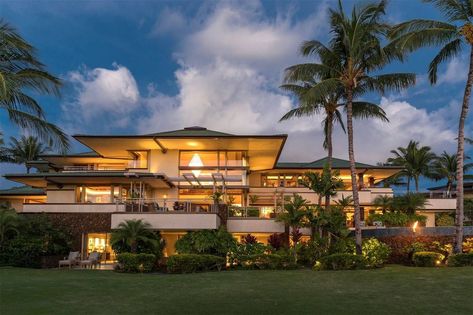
[92, 261]
[71, 260]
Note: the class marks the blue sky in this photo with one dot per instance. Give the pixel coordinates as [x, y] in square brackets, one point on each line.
[147, 66]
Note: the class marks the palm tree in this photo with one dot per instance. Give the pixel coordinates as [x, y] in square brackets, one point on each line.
[293, 215]
[20, 72]
[323, 184]
[9, 222]
[344, 202]
[445, 167]
[409, 202]
[24, 150]
[357, 52]
[312, 101]
[383, 202]
[453, 35]
[415, 161]
[133, 232]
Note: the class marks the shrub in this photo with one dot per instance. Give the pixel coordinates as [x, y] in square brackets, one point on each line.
[129, 262]
[468, 245]
[396, 218]
[189, 263]
[426, 259]
[375, 252]
[460, 260]
[444, 219]
[23, 252]
[308, 253]
[153, 243]
[211, 242]
[403, 247]
[342, 261]
[276, 241]
[249, 239]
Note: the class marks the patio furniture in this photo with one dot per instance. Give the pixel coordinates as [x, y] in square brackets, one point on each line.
[71, 260]
[92, 261]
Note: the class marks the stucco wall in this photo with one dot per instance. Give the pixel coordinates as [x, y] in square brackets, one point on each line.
[166, 163]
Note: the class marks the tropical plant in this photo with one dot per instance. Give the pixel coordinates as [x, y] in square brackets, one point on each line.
[20, 73]
[24, 150]
[414, 160]
[453, 35]
[276, 241]
[383, 203]
[344, 202]
[409, 202]
[133, 232]
[249, 239]
[213, 242]
[445, 167]
[9, 223]
[293, 215]
[356, 51]
[323, 184]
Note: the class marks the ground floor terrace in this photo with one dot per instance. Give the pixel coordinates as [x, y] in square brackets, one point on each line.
[390, 290]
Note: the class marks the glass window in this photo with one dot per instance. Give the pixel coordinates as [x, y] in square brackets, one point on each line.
[196, 159]
[291, 180]
[98, 194]
[100, 242]
[271, 180]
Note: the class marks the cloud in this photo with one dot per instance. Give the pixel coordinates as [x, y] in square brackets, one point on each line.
[99, 92]
[455, 72]
[169, 22]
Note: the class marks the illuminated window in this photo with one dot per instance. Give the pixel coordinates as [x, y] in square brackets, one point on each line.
[140, 159]
[98, 194]
[100, 242]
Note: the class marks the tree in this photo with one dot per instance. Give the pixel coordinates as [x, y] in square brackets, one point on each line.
[323, 184]
[344, 202]
[383, 202]
[453, 35]
[21, 72]
[409, 203]
[9, 223]
[307, 86]
[445, 167]
[358, 52]
[293, 214]
[24, 150]
[414, 160]
[133, 232]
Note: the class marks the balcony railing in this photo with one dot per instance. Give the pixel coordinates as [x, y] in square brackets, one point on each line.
[167, 205]
[266, 212]
[92, 168]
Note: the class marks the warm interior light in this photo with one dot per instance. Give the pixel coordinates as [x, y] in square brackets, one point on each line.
[196, 161]
[165, 196]
[414, 227]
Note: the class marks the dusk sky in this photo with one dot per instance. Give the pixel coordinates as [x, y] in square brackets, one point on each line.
[132, 67]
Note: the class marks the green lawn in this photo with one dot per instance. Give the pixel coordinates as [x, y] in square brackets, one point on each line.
[391, 290]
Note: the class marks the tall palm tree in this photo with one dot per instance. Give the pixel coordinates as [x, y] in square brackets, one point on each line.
[24, 150]
[20, 72]
[415, 161]
[356, 51]
[293, 215]
[454, 35]
[132, 232]
[312, 101]
[445, 167]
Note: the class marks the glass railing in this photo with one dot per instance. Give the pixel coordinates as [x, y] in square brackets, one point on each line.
[263, 212]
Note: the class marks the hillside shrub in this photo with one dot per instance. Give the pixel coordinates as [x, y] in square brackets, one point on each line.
[129, 262]
[460, 260]
[427, 259]
[342, 261]
[190, 263]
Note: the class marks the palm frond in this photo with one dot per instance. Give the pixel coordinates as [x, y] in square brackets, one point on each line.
[366, 110]
[447, 52]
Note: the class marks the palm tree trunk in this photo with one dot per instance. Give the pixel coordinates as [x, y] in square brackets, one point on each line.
[416, 180]
[351, 156]
[408, 184]
[286, 235]
[330, 153]
[460, 154]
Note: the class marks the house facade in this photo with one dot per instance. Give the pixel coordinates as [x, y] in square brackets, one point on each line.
[167, 179]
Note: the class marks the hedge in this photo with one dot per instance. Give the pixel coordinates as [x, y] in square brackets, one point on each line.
[129, 262]
[189, 263]
[460, 260]
[267, 261]
[426, 259]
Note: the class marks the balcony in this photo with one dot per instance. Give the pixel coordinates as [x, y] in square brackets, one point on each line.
[73, 207]
[171, 221]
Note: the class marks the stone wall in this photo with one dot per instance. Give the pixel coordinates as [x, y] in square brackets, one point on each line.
[78, 223]
[407, 231]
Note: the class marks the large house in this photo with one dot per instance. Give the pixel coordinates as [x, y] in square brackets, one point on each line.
[167, 179]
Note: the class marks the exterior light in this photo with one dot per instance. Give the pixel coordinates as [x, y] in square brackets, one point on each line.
[196, 161]
[414, 226]
[165, 196]
[438, 262]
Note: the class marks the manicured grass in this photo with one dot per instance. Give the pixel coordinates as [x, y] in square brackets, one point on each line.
[391, 290]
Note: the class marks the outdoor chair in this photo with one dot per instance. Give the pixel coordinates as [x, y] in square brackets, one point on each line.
[92, 261]
[71, 260]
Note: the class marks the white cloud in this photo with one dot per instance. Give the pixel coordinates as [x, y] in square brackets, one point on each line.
[455, 72]
[169, 22]
[105, 93]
